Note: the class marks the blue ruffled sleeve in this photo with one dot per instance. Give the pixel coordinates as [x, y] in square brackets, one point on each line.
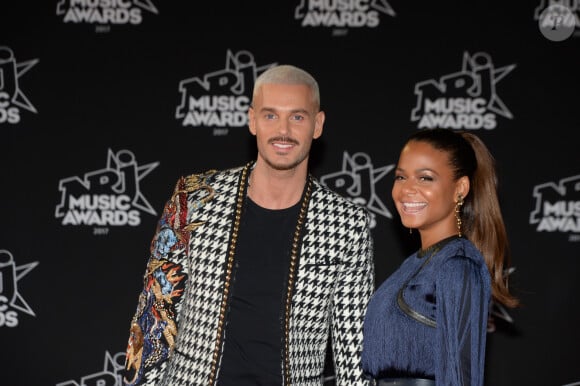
[463, 295]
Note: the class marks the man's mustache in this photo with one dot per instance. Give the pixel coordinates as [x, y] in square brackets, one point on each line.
[283, 139]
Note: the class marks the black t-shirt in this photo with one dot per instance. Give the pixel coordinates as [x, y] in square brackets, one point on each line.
[254, 323]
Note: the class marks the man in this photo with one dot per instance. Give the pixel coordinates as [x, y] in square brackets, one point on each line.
[252, 268]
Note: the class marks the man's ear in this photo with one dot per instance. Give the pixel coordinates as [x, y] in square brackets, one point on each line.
[251, 122]
[318, 124]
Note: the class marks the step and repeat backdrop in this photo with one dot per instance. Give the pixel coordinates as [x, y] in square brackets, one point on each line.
[105, 103]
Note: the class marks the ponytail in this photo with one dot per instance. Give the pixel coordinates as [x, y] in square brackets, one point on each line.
[485, 227]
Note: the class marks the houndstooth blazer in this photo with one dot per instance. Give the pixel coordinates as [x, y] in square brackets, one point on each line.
[176, 335]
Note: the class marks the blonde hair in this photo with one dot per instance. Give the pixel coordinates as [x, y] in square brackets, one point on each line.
[288, 74]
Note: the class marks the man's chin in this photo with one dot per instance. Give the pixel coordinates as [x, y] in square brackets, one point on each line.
[283, 166]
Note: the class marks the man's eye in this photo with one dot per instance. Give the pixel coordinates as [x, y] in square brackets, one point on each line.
[269, 116]
[298, 118]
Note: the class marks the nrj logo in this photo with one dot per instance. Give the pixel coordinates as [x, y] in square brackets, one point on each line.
[221, 98]
[12, 99]
[466, 99]
[104, 11]
[109, 196]
[357, 180]
[342, 13]
[557, 206]
[110, 376]
[11, 302]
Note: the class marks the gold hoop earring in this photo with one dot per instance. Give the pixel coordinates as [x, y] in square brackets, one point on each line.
[458, 205]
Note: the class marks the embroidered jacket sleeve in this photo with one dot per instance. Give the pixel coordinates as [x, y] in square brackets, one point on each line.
[463, 296]
[354, 286]
[155, 323]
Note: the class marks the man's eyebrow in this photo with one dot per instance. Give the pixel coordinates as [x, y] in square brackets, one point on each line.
[273, 109]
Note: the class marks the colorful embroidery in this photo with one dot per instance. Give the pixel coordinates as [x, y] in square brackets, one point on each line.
[154, 326]
[153, 331]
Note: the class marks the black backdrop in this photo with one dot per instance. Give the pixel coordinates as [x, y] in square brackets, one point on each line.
[117, 99]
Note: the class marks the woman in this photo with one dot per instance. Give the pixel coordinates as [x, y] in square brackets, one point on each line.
[426, 324]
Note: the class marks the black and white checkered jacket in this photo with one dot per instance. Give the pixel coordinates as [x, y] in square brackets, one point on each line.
[177, 332]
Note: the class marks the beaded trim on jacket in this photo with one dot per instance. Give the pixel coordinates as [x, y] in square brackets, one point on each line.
[230, 263]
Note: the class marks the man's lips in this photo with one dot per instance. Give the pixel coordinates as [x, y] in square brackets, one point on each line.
[283, 143]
